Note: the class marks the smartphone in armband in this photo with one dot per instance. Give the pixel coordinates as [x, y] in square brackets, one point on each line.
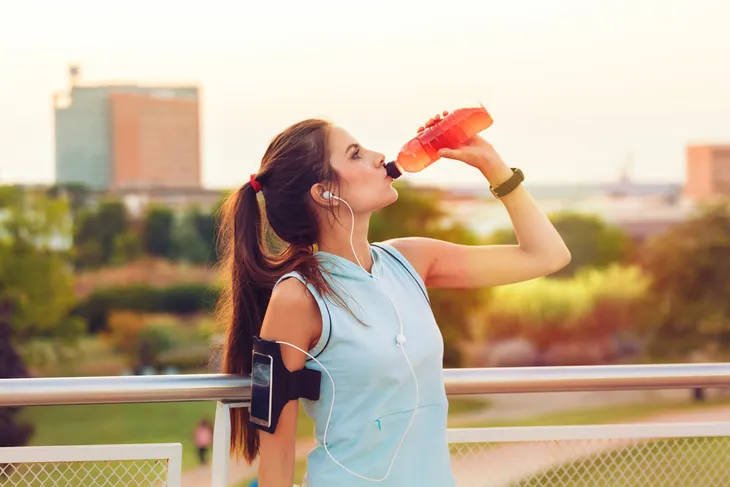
[261, 390]
[273, 385]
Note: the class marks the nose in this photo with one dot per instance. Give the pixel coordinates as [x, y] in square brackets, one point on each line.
[379, 160]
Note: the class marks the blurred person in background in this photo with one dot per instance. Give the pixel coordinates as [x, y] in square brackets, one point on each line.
[203, 439]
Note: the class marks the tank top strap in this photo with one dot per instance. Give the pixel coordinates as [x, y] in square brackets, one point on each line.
[400, 259]
[324, 310]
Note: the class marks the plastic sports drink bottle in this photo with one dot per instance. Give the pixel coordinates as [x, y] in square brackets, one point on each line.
[448, 132]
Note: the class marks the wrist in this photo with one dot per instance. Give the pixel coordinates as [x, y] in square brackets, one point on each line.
[496, 174]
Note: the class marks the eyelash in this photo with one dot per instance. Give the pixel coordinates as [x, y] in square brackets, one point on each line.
[356, 154]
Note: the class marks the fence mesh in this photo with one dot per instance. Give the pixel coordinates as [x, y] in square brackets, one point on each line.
[85, 474]
[695, 462]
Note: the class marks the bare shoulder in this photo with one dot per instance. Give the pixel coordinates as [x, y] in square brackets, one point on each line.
[419, 251]
[292, 316]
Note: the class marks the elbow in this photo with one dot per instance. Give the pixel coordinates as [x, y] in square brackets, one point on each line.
[559, 259]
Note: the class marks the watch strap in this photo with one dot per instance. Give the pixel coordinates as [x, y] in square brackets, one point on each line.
[510, 185]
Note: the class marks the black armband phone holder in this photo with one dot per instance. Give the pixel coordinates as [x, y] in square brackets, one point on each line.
[273, 385]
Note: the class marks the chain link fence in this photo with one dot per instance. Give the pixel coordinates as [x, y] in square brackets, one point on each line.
[92, 466]
[606, 456]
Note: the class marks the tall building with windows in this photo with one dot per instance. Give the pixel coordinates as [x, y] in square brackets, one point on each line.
[127, 137]
[708, 172]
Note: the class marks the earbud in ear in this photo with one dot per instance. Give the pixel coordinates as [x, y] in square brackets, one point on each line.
[327, 195]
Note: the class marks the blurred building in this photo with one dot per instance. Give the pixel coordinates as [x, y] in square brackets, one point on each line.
[127, 137]
[708, 172]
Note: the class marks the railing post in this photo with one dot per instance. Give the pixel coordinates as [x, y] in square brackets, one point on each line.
[221, 445]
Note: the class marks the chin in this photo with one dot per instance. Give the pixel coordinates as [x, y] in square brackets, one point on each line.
[392, 197]
[384, 199]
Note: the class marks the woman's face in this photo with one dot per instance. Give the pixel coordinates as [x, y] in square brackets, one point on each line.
[364, 183]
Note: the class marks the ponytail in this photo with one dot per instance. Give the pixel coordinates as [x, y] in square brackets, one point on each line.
[252, 270]
[243, 301]
[253, 259]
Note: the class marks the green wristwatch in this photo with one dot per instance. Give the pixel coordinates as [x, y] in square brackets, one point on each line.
[508, 186]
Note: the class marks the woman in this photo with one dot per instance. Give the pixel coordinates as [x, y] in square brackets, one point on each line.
[351, 305]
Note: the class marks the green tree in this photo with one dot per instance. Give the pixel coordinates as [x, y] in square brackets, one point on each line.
[418, 213]
[12, 431]
[207, 227]
[97, 234]
[141, 342]
[127, 247]
[193, 237]
[592, 242]
[157, 233]
[78, 195]
[34, 264]
[690, 269]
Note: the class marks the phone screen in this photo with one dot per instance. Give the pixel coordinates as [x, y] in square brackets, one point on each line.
[261, 392]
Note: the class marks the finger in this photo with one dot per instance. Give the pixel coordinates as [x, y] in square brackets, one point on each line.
[420, 129]
[452, 154]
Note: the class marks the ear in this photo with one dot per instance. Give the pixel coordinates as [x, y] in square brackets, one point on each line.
[318, 195]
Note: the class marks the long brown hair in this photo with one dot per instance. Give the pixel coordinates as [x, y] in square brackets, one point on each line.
[295, 160]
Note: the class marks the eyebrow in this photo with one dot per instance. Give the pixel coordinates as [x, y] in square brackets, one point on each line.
[351, 146]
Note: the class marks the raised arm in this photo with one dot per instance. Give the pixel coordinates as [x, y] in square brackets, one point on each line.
[540, 249]
[293, 317]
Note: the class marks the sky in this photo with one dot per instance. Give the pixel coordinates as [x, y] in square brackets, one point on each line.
[577, 89]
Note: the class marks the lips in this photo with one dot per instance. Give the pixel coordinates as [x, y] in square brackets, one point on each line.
[392, 170]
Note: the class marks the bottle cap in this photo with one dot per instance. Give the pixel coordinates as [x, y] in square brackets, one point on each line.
[392, 169]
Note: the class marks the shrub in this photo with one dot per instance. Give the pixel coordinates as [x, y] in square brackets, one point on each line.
[593, 304]
[179, 299]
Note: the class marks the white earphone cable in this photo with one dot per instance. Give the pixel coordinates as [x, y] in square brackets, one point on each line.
[352, 229]
[332, 405]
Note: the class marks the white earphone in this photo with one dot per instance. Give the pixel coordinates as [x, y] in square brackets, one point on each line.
[400, 341]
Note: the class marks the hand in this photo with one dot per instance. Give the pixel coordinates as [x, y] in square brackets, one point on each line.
[476, 152]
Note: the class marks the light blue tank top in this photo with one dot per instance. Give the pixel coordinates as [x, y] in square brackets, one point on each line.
[374, 389]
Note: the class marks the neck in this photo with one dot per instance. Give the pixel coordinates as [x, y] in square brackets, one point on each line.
[336, 239]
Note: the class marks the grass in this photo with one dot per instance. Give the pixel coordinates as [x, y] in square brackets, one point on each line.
[465, 405]
[119, 423]
[90, 356]
[599, 415]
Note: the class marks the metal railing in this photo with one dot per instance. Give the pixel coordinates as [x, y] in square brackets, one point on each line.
[229, 388]
[636, 455]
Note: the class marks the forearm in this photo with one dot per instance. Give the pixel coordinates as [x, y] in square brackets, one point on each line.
[277, 450]
[535, 233]
[276, 470]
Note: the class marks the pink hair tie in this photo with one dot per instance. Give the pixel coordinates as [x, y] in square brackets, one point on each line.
[255, 184]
